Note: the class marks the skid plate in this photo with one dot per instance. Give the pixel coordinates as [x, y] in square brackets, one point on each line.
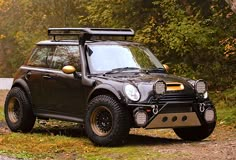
[173, 120]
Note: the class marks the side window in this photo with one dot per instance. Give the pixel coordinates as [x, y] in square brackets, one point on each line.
[41, 57]
[66, 55]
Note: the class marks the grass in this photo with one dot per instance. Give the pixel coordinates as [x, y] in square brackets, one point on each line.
[1, 114]
[46, 146]
[225, 103]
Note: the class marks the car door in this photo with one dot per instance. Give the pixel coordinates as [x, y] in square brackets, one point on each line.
[64, 90]
[37, 64]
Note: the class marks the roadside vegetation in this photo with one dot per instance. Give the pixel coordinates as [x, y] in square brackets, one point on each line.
[226, 106]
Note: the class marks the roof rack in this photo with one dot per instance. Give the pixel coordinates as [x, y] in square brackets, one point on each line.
[86, 33]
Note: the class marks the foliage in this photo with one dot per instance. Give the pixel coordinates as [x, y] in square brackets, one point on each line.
[225, 103]
[196, 38]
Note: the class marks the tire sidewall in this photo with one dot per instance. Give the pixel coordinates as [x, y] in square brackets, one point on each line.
[118, 130]
[13, 126]
[26, 118]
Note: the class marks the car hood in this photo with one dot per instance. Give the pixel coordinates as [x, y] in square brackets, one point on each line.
[145, 78]
[145, 82]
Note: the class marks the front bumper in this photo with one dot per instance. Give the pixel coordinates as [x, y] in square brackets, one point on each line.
[174, 114]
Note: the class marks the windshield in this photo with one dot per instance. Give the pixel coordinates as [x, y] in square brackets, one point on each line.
[105, 58]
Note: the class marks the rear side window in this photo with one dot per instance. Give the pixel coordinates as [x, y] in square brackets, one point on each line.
[66, 55]
[41, 57]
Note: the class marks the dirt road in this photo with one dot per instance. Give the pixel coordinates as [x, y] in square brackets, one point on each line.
[221, 145]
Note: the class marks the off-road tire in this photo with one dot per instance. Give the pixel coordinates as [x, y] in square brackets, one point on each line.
[18, 111]
[195, 133]
[106, 113]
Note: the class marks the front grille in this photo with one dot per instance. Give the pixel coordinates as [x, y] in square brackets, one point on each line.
[174, 103]
[171, 98]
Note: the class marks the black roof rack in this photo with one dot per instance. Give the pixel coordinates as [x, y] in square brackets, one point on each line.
[86, 33]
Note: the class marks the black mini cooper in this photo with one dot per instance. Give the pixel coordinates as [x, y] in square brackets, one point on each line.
[109, 86]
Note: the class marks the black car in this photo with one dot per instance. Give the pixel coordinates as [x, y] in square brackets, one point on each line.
[90, 76]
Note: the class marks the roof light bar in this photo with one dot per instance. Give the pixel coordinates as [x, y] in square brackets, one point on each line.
[90, 31]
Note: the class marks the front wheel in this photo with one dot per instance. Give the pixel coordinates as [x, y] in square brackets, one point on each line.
[106, 122]
[18, 112]
[195, 133]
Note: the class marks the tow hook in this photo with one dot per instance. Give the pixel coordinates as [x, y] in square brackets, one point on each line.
[202, 107]
[155, 109]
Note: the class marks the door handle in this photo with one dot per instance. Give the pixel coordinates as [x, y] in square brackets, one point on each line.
[47, 77]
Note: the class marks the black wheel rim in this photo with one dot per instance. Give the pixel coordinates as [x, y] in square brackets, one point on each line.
[101, 121]
[14, 110]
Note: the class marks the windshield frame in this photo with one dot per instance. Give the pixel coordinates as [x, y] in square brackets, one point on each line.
[153, 58]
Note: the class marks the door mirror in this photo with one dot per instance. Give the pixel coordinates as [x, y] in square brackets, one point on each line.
[68, 69]
[167, 68]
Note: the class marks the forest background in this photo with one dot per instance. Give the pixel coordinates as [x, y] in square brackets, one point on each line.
[197, 39]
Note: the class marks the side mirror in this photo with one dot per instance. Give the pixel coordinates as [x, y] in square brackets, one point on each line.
[167, 68]
[68, 69]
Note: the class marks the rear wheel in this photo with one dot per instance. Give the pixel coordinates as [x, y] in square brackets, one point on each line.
[18, 112]
[195, 133]
[106, 122]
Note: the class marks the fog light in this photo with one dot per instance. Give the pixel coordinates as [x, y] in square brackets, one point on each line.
[209, 115]
[141, 118]
[160, 87]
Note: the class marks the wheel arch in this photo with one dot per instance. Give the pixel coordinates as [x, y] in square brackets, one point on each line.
[106, 90]
[24, 86]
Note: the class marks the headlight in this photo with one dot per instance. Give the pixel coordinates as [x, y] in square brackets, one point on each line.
[160, 87]
[132, 92]
[200, 86]
[205, 95]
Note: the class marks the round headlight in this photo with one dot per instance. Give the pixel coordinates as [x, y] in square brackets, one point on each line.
[160, 87]
[205, 95]
[201, 87]
[132, 92]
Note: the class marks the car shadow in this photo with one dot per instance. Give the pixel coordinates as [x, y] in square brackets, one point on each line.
[78, 131]
[132, 139]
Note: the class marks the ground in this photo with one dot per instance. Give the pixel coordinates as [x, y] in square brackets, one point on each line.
[59, 140]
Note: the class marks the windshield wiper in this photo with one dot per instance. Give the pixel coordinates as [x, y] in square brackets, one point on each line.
[154, 70]
[118, 70]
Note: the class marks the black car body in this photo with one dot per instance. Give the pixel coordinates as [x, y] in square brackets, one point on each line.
[108, 85]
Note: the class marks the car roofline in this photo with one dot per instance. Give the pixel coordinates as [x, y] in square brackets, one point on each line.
[76, 42]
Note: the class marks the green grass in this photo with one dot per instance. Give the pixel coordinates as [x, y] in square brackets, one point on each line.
[225, 103]
[227, 116]
[44, 146]
[1, 114]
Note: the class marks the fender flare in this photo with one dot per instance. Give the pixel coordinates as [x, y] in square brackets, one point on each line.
[23, 85]
[106, 87]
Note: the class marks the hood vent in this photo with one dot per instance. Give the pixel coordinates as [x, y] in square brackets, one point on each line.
[174, 86]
